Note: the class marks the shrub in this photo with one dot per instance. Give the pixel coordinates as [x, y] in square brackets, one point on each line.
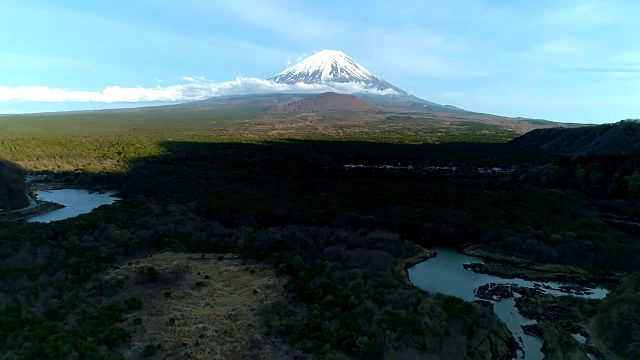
[150, 350]
[150, 274]
[133, 304]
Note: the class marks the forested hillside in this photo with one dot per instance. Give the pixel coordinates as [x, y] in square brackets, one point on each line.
[619, 138]
[12, 186]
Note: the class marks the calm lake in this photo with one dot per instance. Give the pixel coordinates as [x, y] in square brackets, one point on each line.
[445, 274]
[76, 202]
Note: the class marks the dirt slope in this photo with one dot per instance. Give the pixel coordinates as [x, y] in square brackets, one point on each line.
[328, 101]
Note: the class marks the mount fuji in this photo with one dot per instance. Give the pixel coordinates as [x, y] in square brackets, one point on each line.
[336, 69]
[330, 82]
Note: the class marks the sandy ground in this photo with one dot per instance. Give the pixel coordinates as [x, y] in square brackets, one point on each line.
[202, 307]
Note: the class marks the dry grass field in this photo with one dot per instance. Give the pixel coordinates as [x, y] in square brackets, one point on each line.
[202, 307]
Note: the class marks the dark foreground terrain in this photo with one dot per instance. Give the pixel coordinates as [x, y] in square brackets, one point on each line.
[317, 225]
[12, 187]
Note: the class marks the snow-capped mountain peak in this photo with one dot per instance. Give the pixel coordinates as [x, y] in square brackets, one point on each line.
[331, 66]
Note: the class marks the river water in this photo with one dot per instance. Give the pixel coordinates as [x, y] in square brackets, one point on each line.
[445, 274]
[76, 202]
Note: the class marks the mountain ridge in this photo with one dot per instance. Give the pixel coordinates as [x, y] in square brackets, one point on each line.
[617, 138]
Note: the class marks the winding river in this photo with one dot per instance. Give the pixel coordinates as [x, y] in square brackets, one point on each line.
[445, 274]
[76, 202]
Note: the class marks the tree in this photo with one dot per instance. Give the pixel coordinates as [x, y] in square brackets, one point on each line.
[633, 184]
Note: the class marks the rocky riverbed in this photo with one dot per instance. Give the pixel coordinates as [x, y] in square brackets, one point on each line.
[511, 267]
[561, 321]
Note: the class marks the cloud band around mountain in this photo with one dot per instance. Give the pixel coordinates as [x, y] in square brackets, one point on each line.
[194, 88]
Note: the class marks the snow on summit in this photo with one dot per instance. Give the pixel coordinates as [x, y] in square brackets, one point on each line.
[326, 66]
[331, 66]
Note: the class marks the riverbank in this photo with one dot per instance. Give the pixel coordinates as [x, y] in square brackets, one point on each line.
[78, 179]
[42, 208]
[512, 267]
[567, 330]
[402, 267]
[55, 185]
[558, 343]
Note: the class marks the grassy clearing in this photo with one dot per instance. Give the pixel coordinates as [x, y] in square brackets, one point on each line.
[201, 307]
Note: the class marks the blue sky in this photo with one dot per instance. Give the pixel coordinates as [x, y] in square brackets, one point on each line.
[575, 61]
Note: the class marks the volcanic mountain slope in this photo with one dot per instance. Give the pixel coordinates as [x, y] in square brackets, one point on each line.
[328, 101]
[240, 101]
[618, 138]
[336, 70]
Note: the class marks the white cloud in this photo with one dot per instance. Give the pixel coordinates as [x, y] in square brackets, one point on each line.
[193, 79]
[195, 88]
